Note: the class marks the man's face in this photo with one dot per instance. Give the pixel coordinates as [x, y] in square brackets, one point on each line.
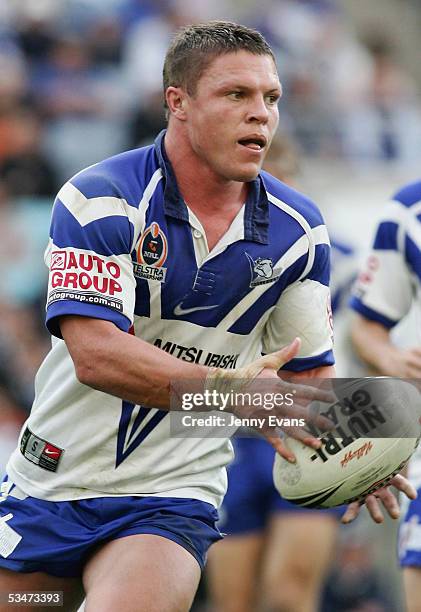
[233, 114]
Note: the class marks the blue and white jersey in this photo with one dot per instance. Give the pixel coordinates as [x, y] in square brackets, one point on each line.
[391, 281]
[125, 248]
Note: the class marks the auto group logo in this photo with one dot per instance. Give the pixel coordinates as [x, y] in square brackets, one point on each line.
[85, 277]
[151, 254]
[58, 260]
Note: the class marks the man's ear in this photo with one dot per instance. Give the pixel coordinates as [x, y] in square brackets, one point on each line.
[177, 101]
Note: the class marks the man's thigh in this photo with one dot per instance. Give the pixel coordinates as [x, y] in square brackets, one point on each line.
[298, 553]
[233, 572]
[139, 573]
[304, 539]
[12, 582]
[412, 585]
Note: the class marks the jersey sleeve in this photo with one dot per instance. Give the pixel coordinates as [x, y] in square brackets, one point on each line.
[89, 259]
[384, 289]
[304, 310]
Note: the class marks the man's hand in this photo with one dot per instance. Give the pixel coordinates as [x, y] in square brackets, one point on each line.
[387, 499]
[261, 376]
[401, 363]
[373, 344]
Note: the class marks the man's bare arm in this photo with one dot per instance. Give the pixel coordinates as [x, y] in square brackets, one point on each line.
[112, 361]
[373, 344]
[117, 363]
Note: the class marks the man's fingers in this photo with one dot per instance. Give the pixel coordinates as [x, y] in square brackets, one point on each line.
[321, 422]
[280, 447]
[390, 502]
[310, 392]
[303, 436]
[413, 358]
[387, 498]
[403, 484]
[351, 513]
[416, 350]
[275, 361]
[374, 509]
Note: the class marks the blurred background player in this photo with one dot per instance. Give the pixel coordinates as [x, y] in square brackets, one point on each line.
[389, 292]
[275, 554]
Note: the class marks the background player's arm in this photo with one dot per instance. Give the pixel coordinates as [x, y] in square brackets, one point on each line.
[373, 344]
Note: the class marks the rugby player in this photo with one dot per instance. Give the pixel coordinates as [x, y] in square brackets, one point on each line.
[389, 289]
[168, 262]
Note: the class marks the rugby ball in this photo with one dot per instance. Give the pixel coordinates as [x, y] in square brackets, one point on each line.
[376, 430]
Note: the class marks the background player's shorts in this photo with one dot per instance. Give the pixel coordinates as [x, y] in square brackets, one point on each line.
[58, 537]
[409, 541]
[252, 499]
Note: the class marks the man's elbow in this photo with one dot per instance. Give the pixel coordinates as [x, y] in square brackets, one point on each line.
[90, 365]
[87, 371]
[89, 343]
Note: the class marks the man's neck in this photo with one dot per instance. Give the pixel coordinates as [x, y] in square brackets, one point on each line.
[202, 190]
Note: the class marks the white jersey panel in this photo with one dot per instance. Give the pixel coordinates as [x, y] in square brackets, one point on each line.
[386, 285]
[303, 310]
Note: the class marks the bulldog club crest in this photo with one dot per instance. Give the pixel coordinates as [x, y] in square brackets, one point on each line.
[151, 254]
[262, 271]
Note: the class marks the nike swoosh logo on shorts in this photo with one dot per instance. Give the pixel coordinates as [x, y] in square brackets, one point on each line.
[179, 311]
[50, 452]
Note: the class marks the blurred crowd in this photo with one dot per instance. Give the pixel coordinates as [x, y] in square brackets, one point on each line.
[80, 80]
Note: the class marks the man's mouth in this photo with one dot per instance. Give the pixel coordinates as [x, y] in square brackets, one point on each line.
[255, 143]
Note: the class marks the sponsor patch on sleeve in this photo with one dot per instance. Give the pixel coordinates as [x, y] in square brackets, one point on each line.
[86, 278]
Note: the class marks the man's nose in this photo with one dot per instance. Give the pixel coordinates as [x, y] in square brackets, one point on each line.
[258, 110]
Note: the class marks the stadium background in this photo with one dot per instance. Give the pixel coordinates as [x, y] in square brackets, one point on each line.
[81, 80]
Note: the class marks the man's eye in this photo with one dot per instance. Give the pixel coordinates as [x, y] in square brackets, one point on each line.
[236, 95]
[272, 99]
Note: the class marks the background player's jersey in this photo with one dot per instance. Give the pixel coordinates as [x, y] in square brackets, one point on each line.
[125, 248]
[391, 280]
[389, 288]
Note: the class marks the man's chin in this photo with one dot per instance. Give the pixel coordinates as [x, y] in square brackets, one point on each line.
[245, 175]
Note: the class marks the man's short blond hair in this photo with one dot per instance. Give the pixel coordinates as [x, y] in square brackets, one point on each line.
[196, 46]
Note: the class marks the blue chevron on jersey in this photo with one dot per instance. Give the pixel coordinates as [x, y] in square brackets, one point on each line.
[134, 428]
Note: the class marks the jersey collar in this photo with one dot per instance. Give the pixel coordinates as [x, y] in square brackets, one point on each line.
[256, 212]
